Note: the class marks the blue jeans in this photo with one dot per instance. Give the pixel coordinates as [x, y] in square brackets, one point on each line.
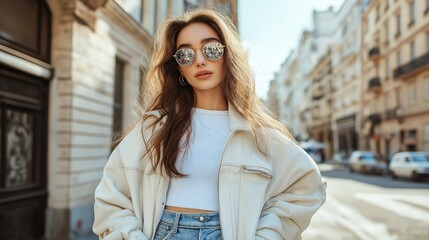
[188, 226]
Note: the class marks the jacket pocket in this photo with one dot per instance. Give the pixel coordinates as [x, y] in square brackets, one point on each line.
[254, 181]
[257, 170]
[253, 187]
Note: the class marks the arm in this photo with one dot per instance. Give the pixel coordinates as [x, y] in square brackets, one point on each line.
[113, 208]
[298, 194]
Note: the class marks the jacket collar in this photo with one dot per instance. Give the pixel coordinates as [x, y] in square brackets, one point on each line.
[236, 121]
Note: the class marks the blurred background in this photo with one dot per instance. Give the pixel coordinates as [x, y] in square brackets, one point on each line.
[349, 78]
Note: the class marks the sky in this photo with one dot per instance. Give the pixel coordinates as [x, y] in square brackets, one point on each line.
[270, 29]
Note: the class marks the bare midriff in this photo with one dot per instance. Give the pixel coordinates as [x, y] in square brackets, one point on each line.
[186, 210]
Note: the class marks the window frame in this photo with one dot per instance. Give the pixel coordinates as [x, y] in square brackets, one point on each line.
[412, 94]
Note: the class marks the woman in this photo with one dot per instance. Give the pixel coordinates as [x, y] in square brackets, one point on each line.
[205, 161]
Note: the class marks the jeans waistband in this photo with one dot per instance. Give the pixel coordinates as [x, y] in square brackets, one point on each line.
[191, 219]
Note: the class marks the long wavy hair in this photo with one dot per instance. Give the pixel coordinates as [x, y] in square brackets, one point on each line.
[175, 102]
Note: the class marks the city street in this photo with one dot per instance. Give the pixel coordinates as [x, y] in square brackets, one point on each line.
[370, 207]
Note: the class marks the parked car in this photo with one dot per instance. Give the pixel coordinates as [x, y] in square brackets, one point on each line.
[340, 159]
[314, 149]
[366, 162]
[414, 165]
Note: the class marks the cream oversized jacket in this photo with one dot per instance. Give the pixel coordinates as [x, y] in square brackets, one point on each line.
[261, 197]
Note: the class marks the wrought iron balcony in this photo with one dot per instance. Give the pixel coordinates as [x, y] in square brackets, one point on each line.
[375, 118]
[374, 53]
[412, 67]
[374, 84]
[394, 113]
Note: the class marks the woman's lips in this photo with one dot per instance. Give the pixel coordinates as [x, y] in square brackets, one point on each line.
[203, 74]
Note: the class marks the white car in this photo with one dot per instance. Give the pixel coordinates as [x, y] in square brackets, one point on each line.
[366, 162]
[414, 165]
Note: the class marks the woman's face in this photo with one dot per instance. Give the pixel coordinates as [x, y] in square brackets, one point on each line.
[203, 75]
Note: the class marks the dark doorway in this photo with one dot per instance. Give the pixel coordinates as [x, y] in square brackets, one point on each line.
[23, 157]
[25, 27]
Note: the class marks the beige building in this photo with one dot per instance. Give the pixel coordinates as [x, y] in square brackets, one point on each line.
[395, 76]
[346, 84]
[69, 76]
[321, 106]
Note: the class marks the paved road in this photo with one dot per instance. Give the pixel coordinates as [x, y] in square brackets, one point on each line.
[371, 207]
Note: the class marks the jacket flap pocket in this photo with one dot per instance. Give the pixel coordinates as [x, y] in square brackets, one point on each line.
[257, 170]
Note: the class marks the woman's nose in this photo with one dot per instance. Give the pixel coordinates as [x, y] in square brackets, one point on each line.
[200, 60]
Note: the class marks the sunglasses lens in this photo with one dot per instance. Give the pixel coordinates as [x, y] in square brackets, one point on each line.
[213, 51]
[185, 56]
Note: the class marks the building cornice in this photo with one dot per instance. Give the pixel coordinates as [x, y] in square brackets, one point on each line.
[114, 12]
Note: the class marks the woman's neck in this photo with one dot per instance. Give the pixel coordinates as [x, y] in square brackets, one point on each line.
[211, 102]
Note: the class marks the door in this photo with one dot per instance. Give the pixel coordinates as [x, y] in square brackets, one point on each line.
[408, 166]
[387, 151]
[23, 154]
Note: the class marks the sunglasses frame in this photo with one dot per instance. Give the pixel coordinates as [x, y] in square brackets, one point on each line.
[204, 54]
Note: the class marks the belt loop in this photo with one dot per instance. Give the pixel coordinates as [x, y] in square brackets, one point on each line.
[176, 222]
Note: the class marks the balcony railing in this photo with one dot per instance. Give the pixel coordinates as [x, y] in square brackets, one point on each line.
[391, 113]
[374, 53]
[375, 118]
[374, 84]
[412, 66]
[394, 113]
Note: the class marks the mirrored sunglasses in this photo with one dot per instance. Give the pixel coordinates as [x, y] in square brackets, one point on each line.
[212, 51]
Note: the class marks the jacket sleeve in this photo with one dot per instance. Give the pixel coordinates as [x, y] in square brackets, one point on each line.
[288, 211]
[114, 215]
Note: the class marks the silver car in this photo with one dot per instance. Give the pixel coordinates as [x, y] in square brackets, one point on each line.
[366, 162]
[414, 165]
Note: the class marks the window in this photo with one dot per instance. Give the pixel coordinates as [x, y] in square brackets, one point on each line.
[398, 25]
[387, 68]
[133, 8]
[412, 13]
[426, 93]
[426, 133]
[377, 16]
[398, 97]
[386, 31]
[398, 58]
[378, 107]
[412, 134]
[412, 50]
[412, 94]
[387, 104]
[118, 101]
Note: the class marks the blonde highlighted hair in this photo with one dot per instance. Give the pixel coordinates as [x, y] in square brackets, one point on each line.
[175, 102]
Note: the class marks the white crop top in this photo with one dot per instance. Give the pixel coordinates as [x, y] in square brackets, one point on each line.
[201, 162]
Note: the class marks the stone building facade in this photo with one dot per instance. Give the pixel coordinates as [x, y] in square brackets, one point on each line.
[395, 76]
[70, 73]
[321, 107]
